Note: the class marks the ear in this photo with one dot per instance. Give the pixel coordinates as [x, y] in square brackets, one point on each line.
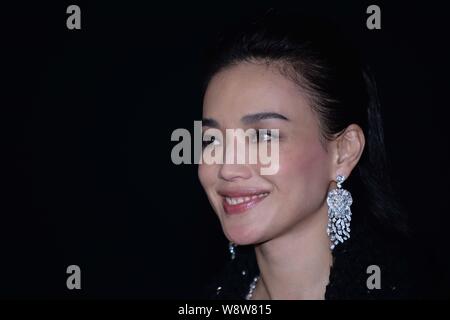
[347, 150]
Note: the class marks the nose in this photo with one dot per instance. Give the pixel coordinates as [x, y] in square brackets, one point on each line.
[232, 172]
[230, 169]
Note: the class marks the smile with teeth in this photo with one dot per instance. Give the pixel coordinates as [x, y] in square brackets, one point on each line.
[239, 200]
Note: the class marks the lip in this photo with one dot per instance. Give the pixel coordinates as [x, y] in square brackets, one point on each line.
[258, 196]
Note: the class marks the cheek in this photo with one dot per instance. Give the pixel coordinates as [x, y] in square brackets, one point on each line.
[207, 174]
[203, 175]
[303, 172]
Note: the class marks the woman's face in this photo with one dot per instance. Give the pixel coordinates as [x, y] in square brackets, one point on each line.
[298, 190]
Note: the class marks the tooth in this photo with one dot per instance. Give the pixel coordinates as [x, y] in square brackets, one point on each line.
[234, 201]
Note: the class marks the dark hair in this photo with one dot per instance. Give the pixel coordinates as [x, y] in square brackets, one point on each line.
[340, 88]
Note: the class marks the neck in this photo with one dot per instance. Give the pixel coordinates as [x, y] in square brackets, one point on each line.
[297, 264]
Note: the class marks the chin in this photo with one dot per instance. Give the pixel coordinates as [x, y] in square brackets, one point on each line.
[242, 235]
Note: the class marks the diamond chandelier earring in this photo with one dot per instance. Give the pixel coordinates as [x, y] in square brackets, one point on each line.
[339, 214]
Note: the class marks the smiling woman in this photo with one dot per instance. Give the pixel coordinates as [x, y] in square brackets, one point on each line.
[290, 232]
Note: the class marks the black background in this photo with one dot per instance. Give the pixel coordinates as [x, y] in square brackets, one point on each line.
[87, 117]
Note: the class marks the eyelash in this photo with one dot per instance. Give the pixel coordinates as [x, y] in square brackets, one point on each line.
[268, 133]
[209, 140]
[257, 136]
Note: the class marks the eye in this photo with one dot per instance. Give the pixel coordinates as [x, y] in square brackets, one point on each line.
[263, 135]
[207, 140]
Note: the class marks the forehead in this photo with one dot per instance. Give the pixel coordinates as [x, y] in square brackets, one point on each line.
[250, 88]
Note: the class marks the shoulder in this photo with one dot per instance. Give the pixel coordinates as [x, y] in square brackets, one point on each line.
[372, 265]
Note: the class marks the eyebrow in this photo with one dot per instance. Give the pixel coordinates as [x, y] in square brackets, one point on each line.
[255, 117]
[247, 119]
[209, 122]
